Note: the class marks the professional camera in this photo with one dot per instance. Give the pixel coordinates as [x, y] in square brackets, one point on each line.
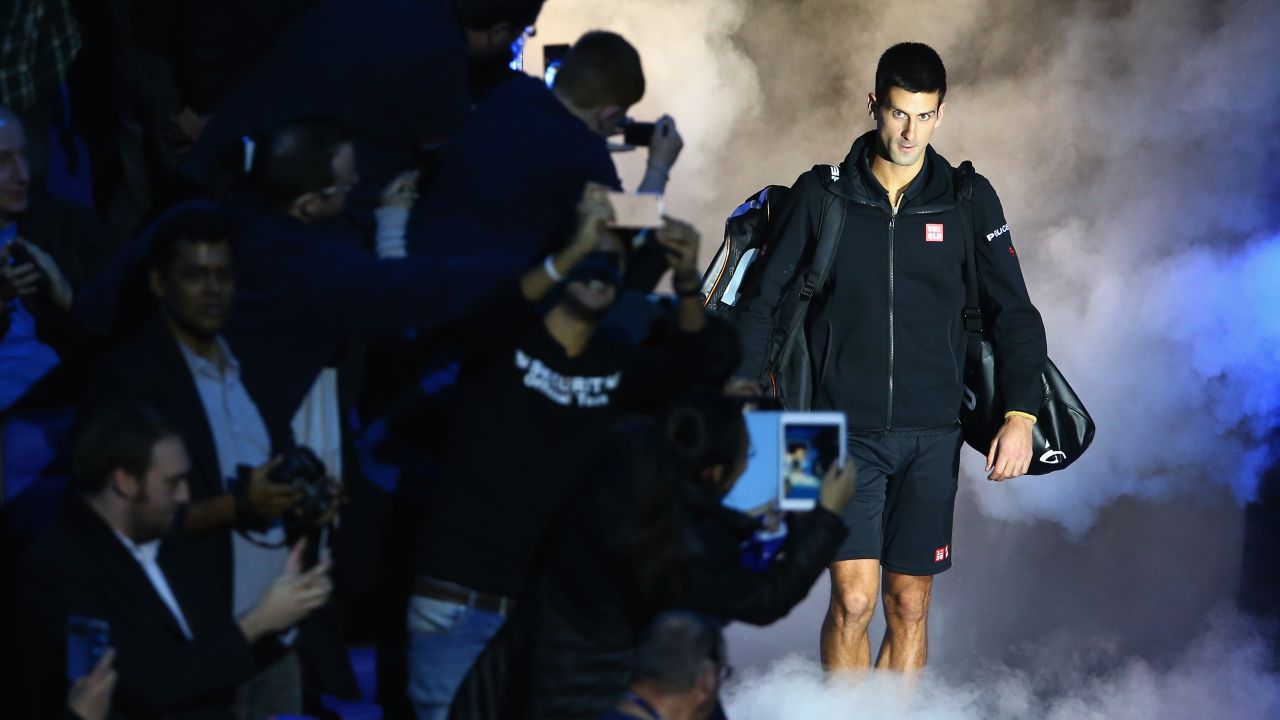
[301, 469]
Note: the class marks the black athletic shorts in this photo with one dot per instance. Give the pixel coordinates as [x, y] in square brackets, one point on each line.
[902, 510]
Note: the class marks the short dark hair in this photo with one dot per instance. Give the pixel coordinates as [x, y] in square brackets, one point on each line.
[484, 14]
[602, 68]
[118, 435]
[675, 650]
[912, 66]
[194, 221]
[296, 158]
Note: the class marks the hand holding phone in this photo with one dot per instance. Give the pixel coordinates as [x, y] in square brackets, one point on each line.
[90, 696]
[88, 639]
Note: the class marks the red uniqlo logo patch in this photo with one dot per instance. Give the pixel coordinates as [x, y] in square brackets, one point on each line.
[942, 553]
[933, 232]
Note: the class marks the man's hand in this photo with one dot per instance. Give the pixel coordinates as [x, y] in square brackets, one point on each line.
[1010, 453]
[90, 696]
[16, 280]
[665, 147]
[182, 129]
[402, 191]
[744, 388]
[594, 215]
[768, 514]
[23, 279]
[837, 487]
[290, 597]
[681, 243]
[270, 500]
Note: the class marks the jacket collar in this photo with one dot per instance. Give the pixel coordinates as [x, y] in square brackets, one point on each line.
[116, 564]
[932, 186]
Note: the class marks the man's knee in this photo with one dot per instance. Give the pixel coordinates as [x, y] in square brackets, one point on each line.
[907, 603]
[853, 593]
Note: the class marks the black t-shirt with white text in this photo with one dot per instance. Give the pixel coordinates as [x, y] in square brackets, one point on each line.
[528, 418]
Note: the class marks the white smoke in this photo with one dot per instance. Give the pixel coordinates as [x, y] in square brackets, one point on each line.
[1221, 675]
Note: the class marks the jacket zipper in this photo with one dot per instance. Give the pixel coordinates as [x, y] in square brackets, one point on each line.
[888, 424]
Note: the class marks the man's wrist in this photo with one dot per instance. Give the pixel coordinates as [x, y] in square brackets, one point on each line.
[1020, 415]
[663, 169]
[252, 627]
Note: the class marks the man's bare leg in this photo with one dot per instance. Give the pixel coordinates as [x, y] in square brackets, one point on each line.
[854, 587]
[906, 616]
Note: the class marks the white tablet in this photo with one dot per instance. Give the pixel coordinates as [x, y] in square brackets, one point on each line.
[809, 443]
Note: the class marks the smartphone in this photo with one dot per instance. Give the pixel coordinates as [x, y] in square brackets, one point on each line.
[637, 211]
[552, 57]
[638, 134]
[809, 444]
[87, 641]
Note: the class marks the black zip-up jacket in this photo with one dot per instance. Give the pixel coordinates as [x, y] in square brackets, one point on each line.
[886, 337]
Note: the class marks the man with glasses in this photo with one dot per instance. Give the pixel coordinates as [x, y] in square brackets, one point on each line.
[679, 669]
[307, 285]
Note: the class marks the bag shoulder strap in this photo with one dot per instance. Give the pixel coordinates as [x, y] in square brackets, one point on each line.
[962, 182]
[830, 228]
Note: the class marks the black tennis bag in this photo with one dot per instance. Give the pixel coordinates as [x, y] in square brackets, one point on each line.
[787, 371]
[1063, 429]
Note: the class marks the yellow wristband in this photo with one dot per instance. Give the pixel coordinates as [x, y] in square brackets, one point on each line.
[1019, 413]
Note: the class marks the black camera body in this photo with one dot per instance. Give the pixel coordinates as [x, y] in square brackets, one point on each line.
[300, 468]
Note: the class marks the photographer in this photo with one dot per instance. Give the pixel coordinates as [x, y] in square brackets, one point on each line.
[231, 418]
[48, 249]
[647, 533]
[547, 144]
[543, 387]
[113, 558]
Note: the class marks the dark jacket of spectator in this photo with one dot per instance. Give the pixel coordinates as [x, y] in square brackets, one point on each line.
[518, 168]
[224, 39]
[81, 568]
[393, 71]
[303, 291]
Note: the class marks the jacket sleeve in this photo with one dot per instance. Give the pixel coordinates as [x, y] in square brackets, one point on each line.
[761, 598]
[1016, 326]
[364, 295]
[787, 238]
[160, 682]
[214, 662]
